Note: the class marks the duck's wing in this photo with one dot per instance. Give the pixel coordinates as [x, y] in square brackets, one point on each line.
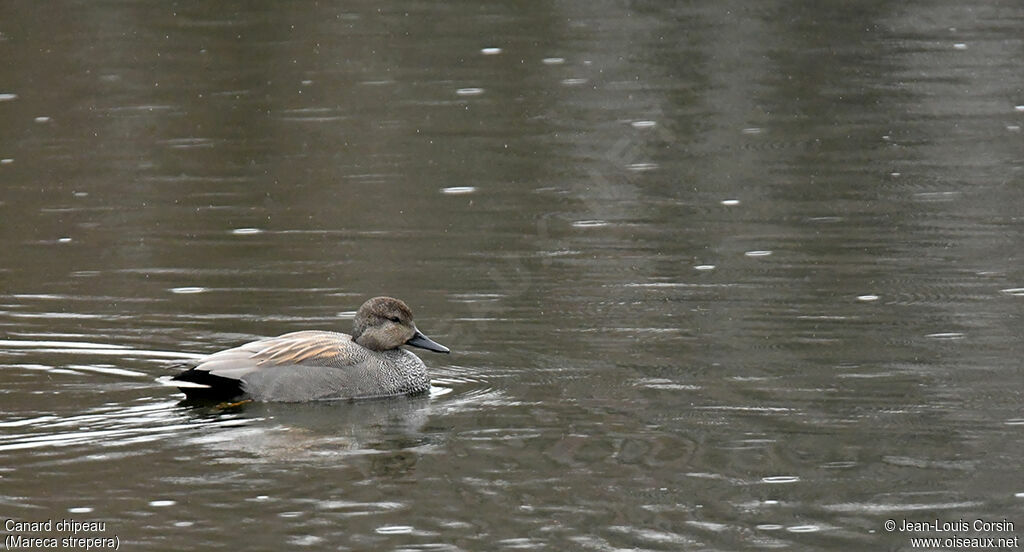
[306, 356]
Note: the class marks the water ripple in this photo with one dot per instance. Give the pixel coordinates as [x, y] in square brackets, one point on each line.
[105, 426]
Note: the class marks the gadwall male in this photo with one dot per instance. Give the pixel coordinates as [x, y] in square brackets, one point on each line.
[318, 365]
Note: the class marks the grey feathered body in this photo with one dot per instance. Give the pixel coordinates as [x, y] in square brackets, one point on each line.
[309, 365]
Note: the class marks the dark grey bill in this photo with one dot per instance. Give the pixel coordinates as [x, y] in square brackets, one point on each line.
[424, 342]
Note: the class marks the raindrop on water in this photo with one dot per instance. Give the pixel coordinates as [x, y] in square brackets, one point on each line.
[246, 231]
[638, 167]
[589, 223]
[946, 335]
[188, 289]
[457, 190]
[393, 529]
[780, 479]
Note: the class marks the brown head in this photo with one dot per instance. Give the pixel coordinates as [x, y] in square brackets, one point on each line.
[385, 323]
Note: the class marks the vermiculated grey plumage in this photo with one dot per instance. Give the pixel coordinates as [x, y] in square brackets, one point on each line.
[317, 365]
[309, 365]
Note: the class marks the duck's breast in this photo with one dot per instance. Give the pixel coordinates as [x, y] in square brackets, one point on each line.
[377, 375]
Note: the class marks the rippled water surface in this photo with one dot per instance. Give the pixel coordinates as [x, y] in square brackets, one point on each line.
[716, 276]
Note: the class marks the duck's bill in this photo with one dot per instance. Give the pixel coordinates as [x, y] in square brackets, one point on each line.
[424, 342]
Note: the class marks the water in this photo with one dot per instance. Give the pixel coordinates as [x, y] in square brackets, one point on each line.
[715, 276]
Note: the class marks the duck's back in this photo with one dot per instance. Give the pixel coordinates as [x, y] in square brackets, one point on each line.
[308, 365]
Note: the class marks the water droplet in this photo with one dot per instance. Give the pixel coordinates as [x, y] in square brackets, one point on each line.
[553, 61]
[188, 289]
[7, 161]
[1018, 108]
[780, 479]
[64, 240]
[704, 267]
[42, 119]
[306, 540]
[1019, 495]
[246, 231]
[1013, 128]
[573, 82]
[184, 523]
[307, 82]
[490, 51]
[639, 167]
[803, 529]
[393, 529]
[469, 91]
[6, 97]
[589, 223]
[867, 298]
[457, 190]
[960, 46]
[162, 503]
[946, 335]
[759, 253]
[80, 510]
[769, 527]
[752, 130]
[643, 124]
[1019, 292]
[730, 202]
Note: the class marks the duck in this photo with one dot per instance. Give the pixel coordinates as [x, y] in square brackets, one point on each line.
[312, 365]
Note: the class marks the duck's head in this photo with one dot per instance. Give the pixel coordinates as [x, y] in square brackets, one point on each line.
[385, 323]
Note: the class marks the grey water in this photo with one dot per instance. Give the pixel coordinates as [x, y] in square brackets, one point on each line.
[715, 275]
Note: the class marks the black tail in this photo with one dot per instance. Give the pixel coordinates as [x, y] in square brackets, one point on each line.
[218, 388]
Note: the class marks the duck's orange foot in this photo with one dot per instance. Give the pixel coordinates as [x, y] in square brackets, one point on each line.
[227, 405]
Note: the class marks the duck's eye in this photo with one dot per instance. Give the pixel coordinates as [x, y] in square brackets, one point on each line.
[395, 319]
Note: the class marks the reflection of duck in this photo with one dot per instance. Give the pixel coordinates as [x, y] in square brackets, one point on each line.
[311, 365]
